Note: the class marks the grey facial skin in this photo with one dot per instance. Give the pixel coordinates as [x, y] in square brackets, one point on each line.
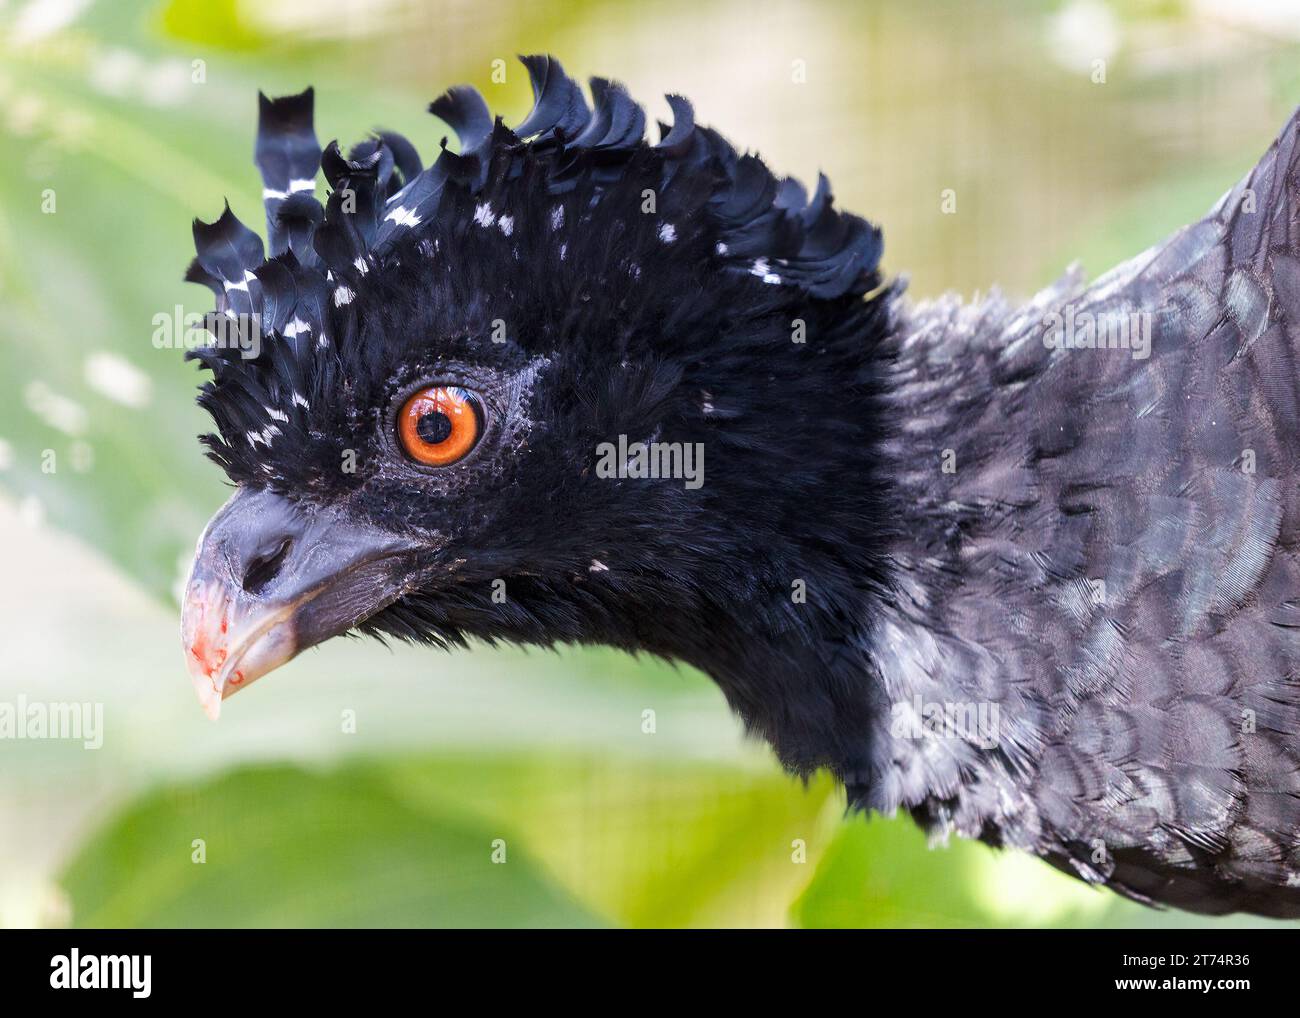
[271, 579]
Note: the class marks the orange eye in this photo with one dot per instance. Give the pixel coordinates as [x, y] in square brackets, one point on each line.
[439, 425]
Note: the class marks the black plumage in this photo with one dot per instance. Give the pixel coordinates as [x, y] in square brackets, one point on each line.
[908, 511]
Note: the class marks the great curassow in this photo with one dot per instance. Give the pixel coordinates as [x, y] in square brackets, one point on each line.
[1027, 572]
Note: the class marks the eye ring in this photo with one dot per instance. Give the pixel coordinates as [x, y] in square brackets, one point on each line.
[440, 425]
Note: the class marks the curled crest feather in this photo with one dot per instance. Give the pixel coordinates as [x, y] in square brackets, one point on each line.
[562, 185]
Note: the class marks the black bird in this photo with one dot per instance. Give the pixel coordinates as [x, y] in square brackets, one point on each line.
[1028, 572]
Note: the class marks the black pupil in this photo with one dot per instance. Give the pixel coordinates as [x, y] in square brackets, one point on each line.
[433, 427]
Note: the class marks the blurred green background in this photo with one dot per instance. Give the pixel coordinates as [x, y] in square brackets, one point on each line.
[137, 116]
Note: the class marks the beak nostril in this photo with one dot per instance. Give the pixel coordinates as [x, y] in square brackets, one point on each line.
[262, 569]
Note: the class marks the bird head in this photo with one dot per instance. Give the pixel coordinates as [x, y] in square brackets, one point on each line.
[561, 386]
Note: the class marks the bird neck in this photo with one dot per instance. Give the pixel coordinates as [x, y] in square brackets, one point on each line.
[843, 661]
[811, 691]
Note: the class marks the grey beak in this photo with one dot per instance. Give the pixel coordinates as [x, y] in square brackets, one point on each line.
[271, 578]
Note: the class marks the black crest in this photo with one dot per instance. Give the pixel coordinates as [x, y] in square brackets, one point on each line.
[302, 296]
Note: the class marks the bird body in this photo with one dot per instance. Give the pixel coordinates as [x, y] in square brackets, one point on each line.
[1025, 571]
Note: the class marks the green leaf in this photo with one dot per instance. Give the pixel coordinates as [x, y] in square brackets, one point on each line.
[882, 872]
[879, 873]
[287, 848]
[652, 842]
